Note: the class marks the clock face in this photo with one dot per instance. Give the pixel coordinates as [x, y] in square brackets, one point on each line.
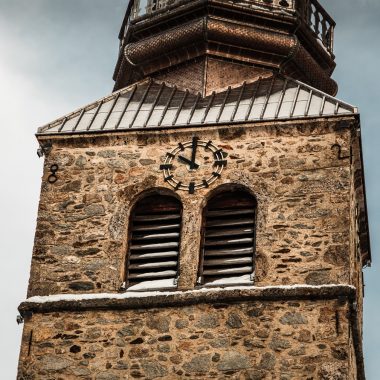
[193, 165]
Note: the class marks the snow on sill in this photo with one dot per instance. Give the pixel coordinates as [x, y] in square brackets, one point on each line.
[137, 294]
[237, 280]
[153, 285]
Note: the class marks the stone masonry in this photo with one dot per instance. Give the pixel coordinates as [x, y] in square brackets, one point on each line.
[302, 189]
[305, 235]
[249, 340]
[252, 78]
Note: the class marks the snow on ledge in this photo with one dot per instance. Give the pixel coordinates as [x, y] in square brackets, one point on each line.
[138, 295]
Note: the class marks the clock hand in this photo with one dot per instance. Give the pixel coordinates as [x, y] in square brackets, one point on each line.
[187, 161]
[194, 152]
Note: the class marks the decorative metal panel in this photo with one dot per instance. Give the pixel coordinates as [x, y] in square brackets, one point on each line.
[150, 104]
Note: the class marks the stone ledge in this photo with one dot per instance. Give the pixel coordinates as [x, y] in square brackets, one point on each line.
[146, 300]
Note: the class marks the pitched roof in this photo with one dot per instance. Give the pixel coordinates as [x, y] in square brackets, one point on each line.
[149, 104]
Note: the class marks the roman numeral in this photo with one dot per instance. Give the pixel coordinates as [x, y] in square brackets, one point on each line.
[168, 178]
[166, 166]
[191, 188]
[220, 163]
[205, 183]
[215, 174]
[219, 151]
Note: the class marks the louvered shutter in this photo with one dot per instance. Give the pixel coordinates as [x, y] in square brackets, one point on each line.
[228, 238]
[154, 242]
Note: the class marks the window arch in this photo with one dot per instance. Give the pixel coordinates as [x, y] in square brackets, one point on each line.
[154, 240]
[228, 238]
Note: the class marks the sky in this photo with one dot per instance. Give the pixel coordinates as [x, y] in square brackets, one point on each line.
[57, 55]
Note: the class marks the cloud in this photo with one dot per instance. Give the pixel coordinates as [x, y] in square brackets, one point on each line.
[50, 64]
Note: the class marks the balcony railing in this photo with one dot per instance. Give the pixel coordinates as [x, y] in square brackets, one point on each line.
[143, 7]
[312, 13]
[320, 23]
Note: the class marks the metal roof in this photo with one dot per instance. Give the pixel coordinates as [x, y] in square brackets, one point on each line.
[150, 104]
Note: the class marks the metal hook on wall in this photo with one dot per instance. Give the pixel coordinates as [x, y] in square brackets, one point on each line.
[338, 147]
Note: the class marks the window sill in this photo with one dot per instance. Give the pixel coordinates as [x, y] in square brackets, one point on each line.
[157, 299]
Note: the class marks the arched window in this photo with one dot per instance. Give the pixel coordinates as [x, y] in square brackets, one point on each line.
[154, 241]
[228, 239]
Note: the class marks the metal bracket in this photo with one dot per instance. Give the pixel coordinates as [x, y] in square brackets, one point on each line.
[19, 319]
[44, 149]
[123, 287]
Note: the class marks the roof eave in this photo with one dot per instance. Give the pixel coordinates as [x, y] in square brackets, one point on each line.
[191, 126]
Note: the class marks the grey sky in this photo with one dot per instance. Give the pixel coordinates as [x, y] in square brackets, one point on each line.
[57, 55]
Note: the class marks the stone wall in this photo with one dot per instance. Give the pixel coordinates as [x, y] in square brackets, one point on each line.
[303, 192]
[253, 340]
[306, 234]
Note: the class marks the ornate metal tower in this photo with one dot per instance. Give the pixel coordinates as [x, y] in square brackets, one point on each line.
[200, 41]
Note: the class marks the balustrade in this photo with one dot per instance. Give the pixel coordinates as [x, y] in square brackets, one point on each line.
[321, 23]
[311, 12]
[143, 7]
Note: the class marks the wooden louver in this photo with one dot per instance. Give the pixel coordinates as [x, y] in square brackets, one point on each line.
[154, 241]
[228, 238]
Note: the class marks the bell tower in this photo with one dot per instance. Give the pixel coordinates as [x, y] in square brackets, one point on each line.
[207, 219]
[210, 45]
